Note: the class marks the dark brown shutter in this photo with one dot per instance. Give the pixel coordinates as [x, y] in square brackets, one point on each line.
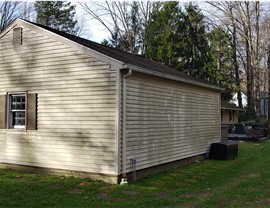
[3, 114]
[31, 111]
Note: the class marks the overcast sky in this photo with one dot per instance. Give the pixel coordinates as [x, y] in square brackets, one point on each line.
[93, 30]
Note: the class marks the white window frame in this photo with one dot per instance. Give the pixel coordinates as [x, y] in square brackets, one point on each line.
[11, 111]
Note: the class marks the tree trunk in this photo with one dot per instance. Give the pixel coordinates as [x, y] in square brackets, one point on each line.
[236, 67]
[268, 68]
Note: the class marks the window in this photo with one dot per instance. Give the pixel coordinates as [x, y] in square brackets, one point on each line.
[17, 110]
[231, 115]
[222, 115]
[17, 36]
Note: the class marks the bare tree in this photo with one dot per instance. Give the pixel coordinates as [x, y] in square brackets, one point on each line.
[243, 20]
[26, 10]
[224, 16]
[9, 10]
[123, 20]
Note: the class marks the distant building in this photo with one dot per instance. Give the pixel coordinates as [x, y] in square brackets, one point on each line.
[229, 113]
[263, 102]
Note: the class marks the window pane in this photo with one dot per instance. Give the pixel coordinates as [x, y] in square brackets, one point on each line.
[18, 118]
[17, 102]
[17, 110]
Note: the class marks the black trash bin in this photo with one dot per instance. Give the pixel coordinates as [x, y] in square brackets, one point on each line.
[239, 129]
[226, 150]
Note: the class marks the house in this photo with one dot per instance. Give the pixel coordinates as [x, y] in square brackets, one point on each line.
[73, 106]
[229, 113]
[263, 111]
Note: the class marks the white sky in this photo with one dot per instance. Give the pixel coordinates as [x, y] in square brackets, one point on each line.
[93, 30]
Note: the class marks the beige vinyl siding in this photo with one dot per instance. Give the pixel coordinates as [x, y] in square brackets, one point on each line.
[76, 96]
[168, 121]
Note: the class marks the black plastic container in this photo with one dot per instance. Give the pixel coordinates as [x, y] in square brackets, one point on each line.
[226, 150]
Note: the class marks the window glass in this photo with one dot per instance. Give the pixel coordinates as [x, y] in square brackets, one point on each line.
[17, 110]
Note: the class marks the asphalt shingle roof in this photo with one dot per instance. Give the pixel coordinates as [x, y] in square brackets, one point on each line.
[230, 106]
[124, 57]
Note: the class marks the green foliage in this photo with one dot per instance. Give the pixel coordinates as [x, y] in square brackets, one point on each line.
[162, 33]
[56, 14]
[222, 71]
[243, 182]
[194, 48]
[178, 38]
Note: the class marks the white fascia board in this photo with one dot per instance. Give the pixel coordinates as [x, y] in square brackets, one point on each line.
[172, 77]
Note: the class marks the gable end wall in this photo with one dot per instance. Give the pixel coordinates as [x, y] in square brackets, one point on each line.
[76, 102]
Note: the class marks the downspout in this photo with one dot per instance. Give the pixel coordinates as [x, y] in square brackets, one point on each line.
[124, 176]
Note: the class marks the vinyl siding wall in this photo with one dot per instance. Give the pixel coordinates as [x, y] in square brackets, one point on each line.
[76, 106]
[168, 121]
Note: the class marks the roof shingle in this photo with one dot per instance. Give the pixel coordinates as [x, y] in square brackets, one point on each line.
[124, 57]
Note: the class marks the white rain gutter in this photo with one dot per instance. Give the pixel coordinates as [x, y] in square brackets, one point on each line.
[172, 77]
[124, 177]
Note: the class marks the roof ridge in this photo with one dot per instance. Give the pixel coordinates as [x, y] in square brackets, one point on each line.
[127, 57]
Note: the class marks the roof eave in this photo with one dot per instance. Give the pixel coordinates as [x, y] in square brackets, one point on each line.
[69, 42]
[172, 77]
[228, 108]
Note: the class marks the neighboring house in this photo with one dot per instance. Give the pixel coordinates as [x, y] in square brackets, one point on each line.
[263, 102]
[229, 113]
[72, 105]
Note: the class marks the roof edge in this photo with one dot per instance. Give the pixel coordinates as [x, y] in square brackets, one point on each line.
[231, 108]
[174, 78]
[61, 39]
[9, 27]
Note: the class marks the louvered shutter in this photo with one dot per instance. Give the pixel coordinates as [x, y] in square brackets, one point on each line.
[3, 113]
[31, 123]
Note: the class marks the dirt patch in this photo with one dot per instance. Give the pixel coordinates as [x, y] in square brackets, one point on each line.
[74, 191]
[54, 186]
[105, 188]
[253, 175]
[85, 184]
[102, 195]
[188, 204]
[188, 195]
[161, 195]
[130, 192]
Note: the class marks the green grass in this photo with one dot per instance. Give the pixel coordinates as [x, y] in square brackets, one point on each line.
[244, 182]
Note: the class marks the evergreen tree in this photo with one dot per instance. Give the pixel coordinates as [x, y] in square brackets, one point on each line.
[194, 48]
[178, 38]
[222, 61]
[56, 14]
[163, 39]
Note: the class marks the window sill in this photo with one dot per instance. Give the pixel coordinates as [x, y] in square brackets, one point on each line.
[17, 129]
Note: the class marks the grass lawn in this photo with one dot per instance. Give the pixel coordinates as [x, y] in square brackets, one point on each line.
[244, 182]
